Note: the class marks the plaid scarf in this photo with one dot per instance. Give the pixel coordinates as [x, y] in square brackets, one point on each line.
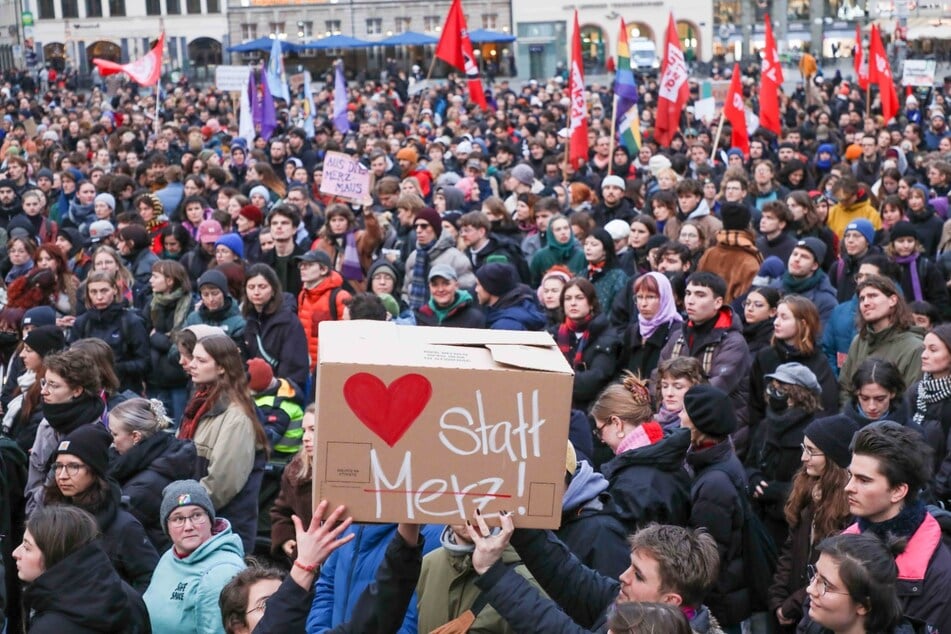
[352, 269]
[930, 390]
[419, 286]
[566, 332]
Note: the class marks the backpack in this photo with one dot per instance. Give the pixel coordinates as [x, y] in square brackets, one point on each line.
[760, 554]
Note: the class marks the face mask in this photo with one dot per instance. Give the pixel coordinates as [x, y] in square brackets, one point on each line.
[778, 400]
[9, 339]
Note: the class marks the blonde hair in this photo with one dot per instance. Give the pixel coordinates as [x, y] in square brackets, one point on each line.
[629, 400]
[305, 466]
[146, 416]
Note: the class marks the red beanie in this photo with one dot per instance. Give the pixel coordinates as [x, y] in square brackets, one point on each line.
[260, 375]
[253, 214]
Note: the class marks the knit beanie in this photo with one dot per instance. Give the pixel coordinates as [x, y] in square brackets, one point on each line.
[815, 246]
[523, 174]
[252, 213]
[107, 198]
[710, 410]
[90, 443]
[232, 241]
[497, 278]
[431, 216]
[735, 216]
[864, 227]
[261, 191]
[408, 153]
[833, 436]
[260, 374]
[40, 316]
[214, 278]
[184, 493]
[45, 339]
[902, 229]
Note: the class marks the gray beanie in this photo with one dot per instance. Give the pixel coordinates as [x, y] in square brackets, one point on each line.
[185, 493]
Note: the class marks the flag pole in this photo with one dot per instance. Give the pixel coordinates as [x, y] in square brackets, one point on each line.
[419, 110]
[716, 140]
[613, 134]
[868, 98]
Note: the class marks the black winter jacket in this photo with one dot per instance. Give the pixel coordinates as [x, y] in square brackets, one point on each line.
[125, 333]
[937, 428]
[931, 283]
[83, 594]
[284, 343]
[596, 536]
[650, 484]
[166, 371]
[144, 471]
[598, 362]
[641, 356]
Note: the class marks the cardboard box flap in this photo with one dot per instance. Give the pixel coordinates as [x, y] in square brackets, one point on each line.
[530, 358]
[478, 337]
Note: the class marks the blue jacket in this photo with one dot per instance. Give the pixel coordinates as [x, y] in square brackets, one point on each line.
[839, 331]
[516, 310]
[351, 568]
[823, 295]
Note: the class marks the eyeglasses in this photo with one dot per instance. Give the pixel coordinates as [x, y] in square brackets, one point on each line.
[72, 469]
[48, 385]
[598, 431]
[822, 586]
[812, 453]
[197, 519]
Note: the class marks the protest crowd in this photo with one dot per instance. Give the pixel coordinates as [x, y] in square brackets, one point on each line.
[760, 339]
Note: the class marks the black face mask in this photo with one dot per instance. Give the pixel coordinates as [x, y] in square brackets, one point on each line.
[8, 339]
[778, 400]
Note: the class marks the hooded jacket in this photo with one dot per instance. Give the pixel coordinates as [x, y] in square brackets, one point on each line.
[144, 471]
[516, 310]
[901, 347]
[650, 484]
[735, 258]
[279, 339]
[183, 595]
[83, 594]
[125, 333]
[841, 215]
[464, 313]
[313, 307]
[710, 224]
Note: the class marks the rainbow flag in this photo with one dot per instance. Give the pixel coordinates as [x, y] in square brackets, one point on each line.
[625, 93]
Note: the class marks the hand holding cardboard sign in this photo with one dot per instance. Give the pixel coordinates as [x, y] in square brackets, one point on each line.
[489, 547]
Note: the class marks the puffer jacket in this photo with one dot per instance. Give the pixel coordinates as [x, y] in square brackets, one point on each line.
[650, 484]
[735, 258]
[591, 530]
[598, 362]
[144, 471]
[901, 347]
[313, 307]
[228, 318]
[516, 310]
[230, 466]
[716, 506]
[443, 252]
[125, 333]
[279, 339]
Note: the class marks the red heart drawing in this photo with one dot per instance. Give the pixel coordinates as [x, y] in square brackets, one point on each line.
[387, 411]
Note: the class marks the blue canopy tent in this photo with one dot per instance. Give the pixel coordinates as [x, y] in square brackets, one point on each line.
[336, 41]
[409, 38]
[264, 44]
[484, 36]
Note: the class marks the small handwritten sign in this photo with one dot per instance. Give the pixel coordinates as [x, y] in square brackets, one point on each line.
[345, 177]
[232, 78]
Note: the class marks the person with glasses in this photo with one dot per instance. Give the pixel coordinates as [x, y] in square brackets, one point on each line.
[646, 477]
[759, 310]
[70, 584]
[817, 507]
[205, 555]
[79, 470]
[433, 246]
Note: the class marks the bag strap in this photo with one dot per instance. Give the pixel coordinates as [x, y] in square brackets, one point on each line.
[271, 361]
[333, 304]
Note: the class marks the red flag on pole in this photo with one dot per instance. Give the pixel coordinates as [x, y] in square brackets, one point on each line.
[880, 72]
[455, 48]
[674, 91]
[772, 77]
[144, 71]
[734, 110]
[859, 64]
[578, 115]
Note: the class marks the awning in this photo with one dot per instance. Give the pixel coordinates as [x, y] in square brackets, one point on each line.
[263, 44]
[484, 36]
[336, 41]
[409, 38]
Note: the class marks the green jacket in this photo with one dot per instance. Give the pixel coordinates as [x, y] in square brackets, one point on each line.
[901, 347]
[546, 258]
[447, 589]
[607, 284]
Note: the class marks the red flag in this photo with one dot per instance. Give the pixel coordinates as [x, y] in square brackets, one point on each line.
[735, 112]
[144, 71]
[674, 91]
[859, 64]
[455, 48]
[772, 78]
[880, 72]
[578, 116]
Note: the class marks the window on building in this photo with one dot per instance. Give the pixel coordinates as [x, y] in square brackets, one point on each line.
[490, 20]
[305, 29]
[47, 10]
[214, 6]
[249, 32]
[193, 6]
[276, 29]
[116, 8]
[153, 7]
[332, 27]
[403, 24]
[70, 8]
[93, 8]
[173, 7]
[374, 26]
[432, 23]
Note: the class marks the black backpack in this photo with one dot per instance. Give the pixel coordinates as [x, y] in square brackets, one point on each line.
[760, 554]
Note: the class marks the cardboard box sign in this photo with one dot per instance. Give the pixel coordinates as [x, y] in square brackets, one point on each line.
[429, 424]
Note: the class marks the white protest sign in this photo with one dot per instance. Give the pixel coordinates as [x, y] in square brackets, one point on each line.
[918, 72]
[345, 177]
[232, 78]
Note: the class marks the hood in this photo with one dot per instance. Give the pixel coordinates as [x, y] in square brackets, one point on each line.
[64, 589]
[585, 485]
[223, 541]
[163, 453]
[666, 455]
[519, 305]
[921, 216]
[229, 309]
[455, 199]
[703, 209]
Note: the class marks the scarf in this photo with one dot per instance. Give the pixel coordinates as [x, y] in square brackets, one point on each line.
[566, 333]
[19, 270]
[902, 525]
[352, 269]
[155, 224]
[66, 417]
[595, 270]
[419, 285]
[642, 436]
[912, 262]
[178, 299]
[668, 419]
[800, 285]
[194, 410]
[563, 252]
[930, 390]
[666, 312]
